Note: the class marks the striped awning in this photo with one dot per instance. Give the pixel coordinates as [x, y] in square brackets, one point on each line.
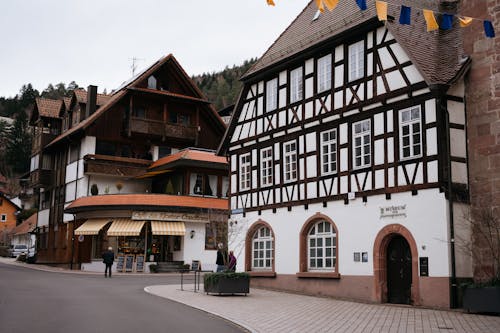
[92, 226]
[125, 227]
[168, 228]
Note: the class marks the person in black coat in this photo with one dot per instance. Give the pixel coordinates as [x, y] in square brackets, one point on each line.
[108, 257]
[221, 261]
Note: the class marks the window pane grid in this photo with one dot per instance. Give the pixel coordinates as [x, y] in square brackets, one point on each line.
[271, 94]
[290, 161]
[245, 172]
[356, 60]
[410, 132]
[324, 73]
[322, 254]
[296, 85]
[266, 167]
[262, 249]
[329, 151]
[362, 144]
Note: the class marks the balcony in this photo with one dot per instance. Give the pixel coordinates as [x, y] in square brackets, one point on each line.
[114, 165]
[41, 178]
[41, 140]
[159, 128]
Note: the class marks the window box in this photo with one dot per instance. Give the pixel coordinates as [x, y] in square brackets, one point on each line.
[226, 283]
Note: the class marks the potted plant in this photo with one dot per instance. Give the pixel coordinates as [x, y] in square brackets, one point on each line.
[94, 190]
[483, 295]
[227, 283]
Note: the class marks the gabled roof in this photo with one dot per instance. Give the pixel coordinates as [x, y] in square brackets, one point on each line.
[3, 197]
[437, 54]
[48, 108]
[27, 226]
[81, 97]
[67, 102]
[111, 100]
[137, 201]
[195, 157]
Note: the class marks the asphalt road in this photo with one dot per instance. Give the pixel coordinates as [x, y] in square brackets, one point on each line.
[38, 301]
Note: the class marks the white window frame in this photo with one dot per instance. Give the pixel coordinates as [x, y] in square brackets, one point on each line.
[317, 245]
[363, 133]
[266, 166]
[290, 161]
[3, 218]
[409, 118]
[329, 152]
[356, 59]
[245, 171]
[262, 250]
[324, 75]
[271, 95]
[296, 85]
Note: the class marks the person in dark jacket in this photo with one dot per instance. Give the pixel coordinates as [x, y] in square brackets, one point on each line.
[221, 258]
[108, 257]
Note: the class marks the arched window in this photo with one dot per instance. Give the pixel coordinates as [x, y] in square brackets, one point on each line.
[321, 247]
[262, 249]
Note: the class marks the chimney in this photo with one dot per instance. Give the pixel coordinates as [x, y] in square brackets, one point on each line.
[91, 101]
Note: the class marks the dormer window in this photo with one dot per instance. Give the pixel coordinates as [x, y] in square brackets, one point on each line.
[152, 83]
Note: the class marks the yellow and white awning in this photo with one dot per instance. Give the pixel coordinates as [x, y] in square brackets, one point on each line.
[168, 228]
[125, 227]
[92, 226]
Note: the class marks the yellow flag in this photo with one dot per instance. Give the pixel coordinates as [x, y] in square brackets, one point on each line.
[381, 10]
[331, 4]
[430, 19]
[270, 2]
[464, 21]
[319, 3]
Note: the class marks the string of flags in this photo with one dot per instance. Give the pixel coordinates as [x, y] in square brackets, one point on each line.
[405, 15]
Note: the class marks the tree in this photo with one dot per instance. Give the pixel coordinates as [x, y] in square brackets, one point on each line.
[18, 148]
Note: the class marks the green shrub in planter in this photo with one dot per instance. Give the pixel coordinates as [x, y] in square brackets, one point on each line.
[153, 268]
[227, 283]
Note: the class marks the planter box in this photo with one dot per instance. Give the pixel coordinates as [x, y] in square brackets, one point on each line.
[222, 284]
[483, 299]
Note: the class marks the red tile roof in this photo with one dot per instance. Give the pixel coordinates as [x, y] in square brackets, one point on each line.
[48, 107]
[158, 201]
[26, 226]
[81, 97]
[67, 102]
[190, 154]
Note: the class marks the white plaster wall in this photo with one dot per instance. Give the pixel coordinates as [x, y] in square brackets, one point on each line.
[194, 248]
[463, 234]
[87, 146]
[129, 185]
[71, 172]
[43, 217]
[358, 225]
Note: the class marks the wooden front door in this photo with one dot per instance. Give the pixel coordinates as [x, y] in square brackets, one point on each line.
[398, 271]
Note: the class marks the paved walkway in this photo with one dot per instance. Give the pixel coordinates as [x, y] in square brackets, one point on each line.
[271, 311]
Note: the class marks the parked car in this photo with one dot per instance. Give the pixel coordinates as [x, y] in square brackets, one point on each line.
[18, 250]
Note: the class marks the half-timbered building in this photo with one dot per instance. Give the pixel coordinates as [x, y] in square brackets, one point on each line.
[348, 159]
[134, 170]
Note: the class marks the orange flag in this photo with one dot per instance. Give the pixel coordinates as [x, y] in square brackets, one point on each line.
[319, 3]
[381, 7]
[270, 2]
[464, 21]
[430, 19]
[331, 4]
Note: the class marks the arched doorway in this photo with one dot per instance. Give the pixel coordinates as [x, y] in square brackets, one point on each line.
[399, 272]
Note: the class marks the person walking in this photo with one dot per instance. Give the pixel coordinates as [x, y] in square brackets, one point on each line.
[221, 258]
[232, 262]
[108, 257]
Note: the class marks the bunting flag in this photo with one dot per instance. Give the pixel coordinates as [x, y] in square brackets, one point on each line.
[381, 10]
[405, 15]
[464, 21]
[430, 20]
[331, 4]
[270, 2]
[447, 21]
[319, 4]
[361, 4]
[488, 29]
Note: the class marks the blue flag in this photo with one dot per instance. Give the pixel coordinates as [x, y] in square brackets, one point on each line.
[488, 29]
[361, 4]
[404, 17]
[447, 21]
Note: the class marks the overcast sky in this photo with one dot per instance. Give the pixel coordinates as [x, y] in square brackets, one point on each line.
[94, 41]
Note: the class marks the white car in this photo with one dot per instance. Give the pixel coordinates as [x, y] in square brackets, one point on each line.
[18, 250]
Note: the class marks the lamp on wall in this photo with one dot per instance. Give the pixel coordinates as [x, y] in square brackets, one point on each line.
[191, 233]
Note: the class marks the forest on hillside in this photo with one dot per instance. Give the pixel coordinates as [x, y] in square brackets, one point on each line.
[221, 88]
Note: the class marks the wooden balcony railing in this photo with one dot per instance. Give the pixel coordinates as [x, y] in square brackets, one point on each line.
[114, 165]
[41, 178]
[159, 128]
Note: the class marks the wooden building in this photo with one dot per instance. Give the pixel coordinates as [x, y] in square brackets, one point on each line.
[8, 218]
[99, 162]
[348, 159]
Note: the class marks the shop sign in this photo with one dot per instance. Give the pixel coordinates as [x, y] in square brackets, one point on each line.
[171, 217]
[393, 211]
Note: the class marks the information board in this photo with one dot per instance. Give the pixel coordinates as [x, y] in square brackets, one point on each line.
[139, 263]
[120, 260]
[424, 266]
[129, 263]
[195, 265]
